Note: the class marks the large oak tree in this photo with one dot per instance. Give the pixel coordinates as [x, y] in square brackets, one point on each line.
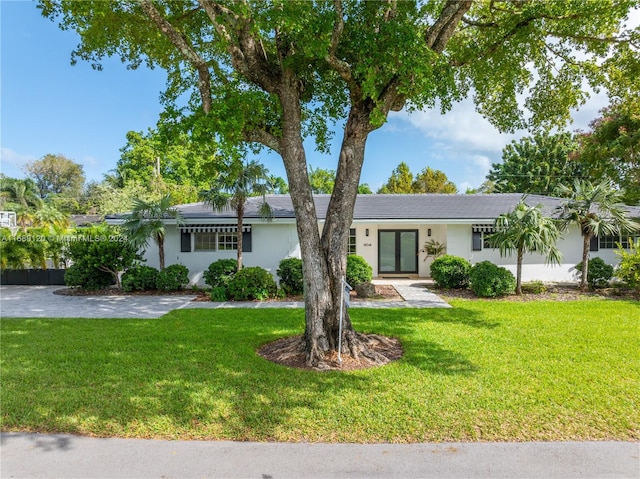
[271, 73]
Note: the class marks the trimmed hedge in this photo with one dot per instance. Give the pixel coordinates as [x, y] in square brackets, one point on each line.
[290, 273]
[358, 270]
[139, 278]
[488, 280]
[172, 278]
[220, 272]
[450, 272]
[252, 283]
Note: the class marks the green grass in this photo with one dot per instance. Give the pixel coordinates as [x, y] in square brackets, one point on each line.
[478, 372]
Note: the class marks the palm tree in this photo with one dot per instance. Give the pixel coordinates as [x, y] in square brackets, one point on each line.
[597, 209]
[526, 230]
[234, 186]
[51, 218]
[24, 195]
[147, 221]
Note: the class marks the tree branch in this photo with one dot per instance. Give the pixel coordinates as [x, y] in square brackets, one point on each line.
[248, 55]
[440, 32]
[340, 66]
[182, 44]
[264, 138]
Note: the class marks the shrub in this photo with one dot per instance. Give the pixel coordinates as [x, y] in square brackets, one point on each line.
[218, 293]
[139, 278]
[290, 274]
[599, 273]
[101, 249]
[358, 270]
[172, 278]
[488, 280]
[87, 277]
[220, 272]
[629, 268]
[451, 272]
[252, 283]
[534, 287]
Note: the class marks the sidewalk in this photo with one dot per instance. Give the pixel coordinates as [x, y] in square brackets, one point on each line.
[50, 456]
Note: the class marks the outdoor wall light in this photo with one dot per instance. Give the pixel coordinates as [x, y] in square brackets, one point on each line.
[429, 232]
[366, 232]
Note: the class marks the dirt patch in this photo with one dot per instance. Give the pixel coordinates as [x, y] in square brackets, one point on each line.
[290, 352]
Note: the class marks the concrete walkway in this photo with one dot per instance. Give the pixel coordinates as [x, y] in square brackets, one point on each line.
[40, 302]
[26, 455]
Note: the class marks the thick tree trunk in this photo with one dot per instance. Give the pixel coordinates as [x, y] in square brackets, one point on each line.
[335, 233]
[317, 294]
[324, 257]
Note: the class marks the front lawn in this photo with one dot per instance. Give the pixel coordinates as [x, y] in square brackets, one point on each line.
[478, 372]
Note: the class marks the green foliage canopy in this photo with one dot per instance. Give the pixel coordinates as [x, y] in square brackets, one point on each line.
[177, 159]
[56, 175]
[428, 180]
[537, 164]
[612, 148]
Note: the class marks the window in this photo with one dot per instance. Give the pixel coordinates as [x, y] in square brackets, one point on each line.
[351, 247]
[479, 237]
[223, 237]
[185, 242]
[610, 241]
[227, 241]
[205, 242]
[216, 241]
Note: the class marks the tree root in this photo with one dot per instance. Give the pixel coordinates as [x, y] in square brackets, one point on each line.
[359, 351]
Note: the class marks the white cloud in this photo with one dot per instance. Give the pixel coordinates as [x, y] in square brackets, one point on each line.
[12, 163]
[463, 127]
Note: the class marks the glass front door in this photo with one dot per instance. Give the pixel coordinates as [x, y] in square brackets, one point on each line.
[397, 251]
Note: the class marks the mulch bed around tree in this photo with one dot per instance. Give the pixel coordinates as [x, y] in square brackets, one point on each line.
[290, 352]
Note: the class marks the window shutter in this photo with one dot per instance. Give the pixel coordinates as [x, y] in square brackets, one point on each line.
[593, 243]
[246, 242]
[477, 241]
[185, 242]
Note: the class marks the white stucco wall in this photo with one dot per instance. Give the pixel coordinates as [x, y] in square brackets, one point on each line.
[270, 244]
[534, 267]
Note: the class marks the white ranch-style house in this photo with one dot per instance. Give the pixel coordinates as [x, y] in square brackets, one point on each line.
[389, 231]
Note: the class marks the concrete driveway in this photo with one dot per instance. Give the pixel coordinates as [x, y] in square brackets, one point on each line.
[40, 302]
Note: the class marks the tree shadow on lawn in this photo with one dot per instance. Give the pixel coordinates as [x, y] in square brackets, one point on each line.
[196, 374]
[419, 352]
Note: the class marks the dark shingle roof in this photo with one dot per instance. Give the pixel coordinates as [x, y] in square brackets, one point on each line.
[396, 207]
[436, 207]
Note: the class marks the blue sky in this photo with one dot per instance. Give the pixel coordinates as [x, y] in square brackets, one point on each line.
[49, 106]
